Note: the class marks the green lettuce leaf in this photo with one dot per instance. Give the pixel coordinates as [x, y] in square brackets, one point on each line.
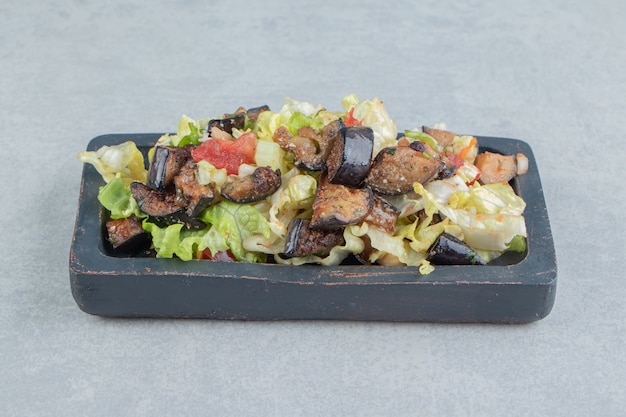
[296, 193]
[116, 197]
[298, 120]
[235, 222]
[167, 241]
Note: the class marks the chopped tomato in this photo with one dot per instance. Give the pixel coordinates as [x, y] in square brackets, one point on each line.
[229, 154]
[458, 162]
[350, 120]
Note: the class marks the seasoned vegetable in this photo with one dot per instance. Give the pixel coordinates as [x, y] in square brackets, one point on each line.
[310, 147]
[449, 250]
[164, 207]
[253, 113]
[127, 236]
[196, 196]
[302, 240]
[350, 156]
[262, 183]
[383, 215]
[165, 165]
[229, 122]
[496, 168]
[336, 205]
[443, 137]
[396, 168]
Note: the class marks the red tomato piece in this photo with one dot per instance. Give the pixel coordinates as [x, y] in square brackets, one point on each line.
[350, 120]
[229, 154]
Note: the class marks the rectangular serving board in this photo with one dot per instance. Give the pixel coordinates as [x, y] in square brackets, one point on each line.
[514, 289]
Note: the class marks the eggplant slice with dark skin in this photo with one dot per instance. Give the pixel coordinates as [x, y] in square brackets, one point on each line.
[262, 183]
[253, 113]
[396, 168]
[447, 168]
[165, 165]
[164, 207]
[350, 156]
[337, 205]
[302, 240]
[197, 196]
[383, 215]
[127, 236]
[229, 122]
[449, 250]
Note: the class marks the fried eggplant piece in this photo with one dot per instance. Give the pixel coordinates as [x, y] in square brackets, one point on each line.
[262, 183]
[396, 168]
[127, 236]
[383, 215]
[496, 168]
[443, 137]
[302, 240]
[253, 113]
[337, 205]
[197, 196]
[350, 156]
[309, 147]
[164, 207]
[449, 250]
[229, 122]
[165, 165]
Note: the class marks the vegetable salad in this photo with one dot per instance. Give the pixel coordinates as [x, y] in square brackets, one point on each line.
[486, 217]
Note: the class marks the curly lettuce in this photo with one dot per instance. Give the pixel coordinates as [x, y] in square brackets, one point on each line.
[124, 161]
[372, 113]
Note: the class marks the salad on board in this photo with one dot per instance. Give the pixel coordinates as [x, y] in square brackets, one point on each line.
[305, 184]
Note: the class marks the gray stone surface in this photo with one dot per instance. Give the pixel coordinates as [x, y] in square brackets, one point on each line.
[549, 72]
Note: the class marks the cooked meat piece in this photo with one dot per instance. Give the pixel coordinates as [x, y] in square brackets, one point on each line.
[495, 168]
[262, 183]
[127, 235]
[443, 137]
[197, 196]
[336, 205]
[302, 240]
[309, 147]
[383, 215]
[350, 156]
[396, 168]
[165, 165]
[163, 207]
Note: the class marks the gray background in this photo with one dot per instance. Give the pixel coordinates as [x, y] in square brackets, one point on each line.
[552, 73]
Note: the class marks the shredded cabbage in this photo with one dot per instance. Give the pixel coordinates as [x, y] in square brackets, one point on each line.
[123, 161]
[372, 113]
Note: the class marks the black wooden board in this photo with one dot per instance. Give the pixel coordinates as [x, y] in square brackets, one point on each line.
[515, 289]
